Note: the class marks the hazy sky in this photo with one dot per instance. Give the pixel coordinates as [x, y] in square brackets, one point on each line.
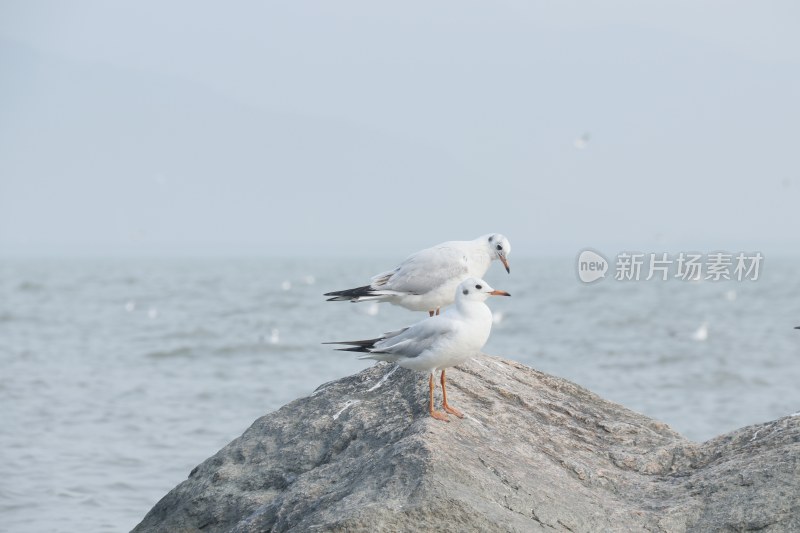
[363, 127]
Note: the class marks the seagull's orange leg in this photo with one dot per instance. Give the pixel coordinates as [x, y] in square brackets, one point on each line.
[437, 310]
[436, 414]
[430, 313]
[451, 410]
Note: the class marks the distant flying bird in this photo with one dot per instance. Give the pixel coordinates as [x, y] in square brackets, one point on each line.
[427, 280]
[583, 141]
[438, 342]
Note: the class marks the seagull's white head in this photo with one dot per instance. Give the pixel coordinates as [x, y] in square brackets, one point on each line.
[475, 289]
[499, 248]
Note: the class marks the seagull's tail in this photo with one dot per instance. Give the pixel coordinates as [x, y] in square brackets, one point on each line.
[359, 294]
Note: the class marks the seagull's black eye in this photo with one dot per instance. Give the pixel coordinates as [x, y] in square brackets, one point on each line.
[491, 238]
[478, 287]
[499, 247]
[466, 291]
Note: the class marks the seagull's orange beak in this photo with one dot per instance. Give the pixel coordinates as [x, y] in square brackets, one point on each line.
[499, 293]
[505, 262]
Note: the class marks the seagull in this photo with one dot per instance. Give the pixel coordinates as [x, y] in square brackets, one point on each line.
[582, 141]
[427, 280]
[702, 333]
[438, 342]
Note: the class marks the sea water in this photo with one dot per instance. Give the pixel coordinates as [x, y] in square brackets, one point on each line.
[118, 376]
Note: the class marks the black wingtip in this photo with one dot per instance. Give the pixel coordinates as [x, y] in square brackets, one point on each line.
[349, 294]
[365, 344]
[357, 348]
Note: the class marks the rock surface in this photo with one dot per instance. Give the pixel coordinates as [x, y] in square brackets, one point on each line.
[534, 452]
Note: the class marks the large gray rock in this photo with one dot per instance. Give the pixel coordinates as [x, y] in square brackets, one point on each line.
[534, 452]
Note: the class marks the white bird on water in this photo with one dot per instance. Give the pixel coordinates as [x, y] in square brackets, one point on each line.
[701, 334]
[275, 336]
[427, 280]
[439, 342]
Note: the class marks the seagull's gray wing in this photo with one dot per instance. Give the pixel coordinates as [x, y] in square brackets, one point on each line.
[425, 270]
[414, 340]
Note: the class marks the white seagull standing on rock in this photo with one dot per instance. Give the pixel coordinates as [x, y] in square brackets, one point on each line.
[439, 342]
[427, 280]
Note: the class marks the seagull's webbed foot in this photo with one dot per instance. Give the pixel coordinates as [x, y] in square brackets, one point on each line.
[453, 411]
[438, 415]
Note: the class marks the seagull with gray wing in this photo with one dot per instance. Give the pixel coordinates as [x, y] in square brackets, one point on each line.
[427, 280]
[438, 342]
